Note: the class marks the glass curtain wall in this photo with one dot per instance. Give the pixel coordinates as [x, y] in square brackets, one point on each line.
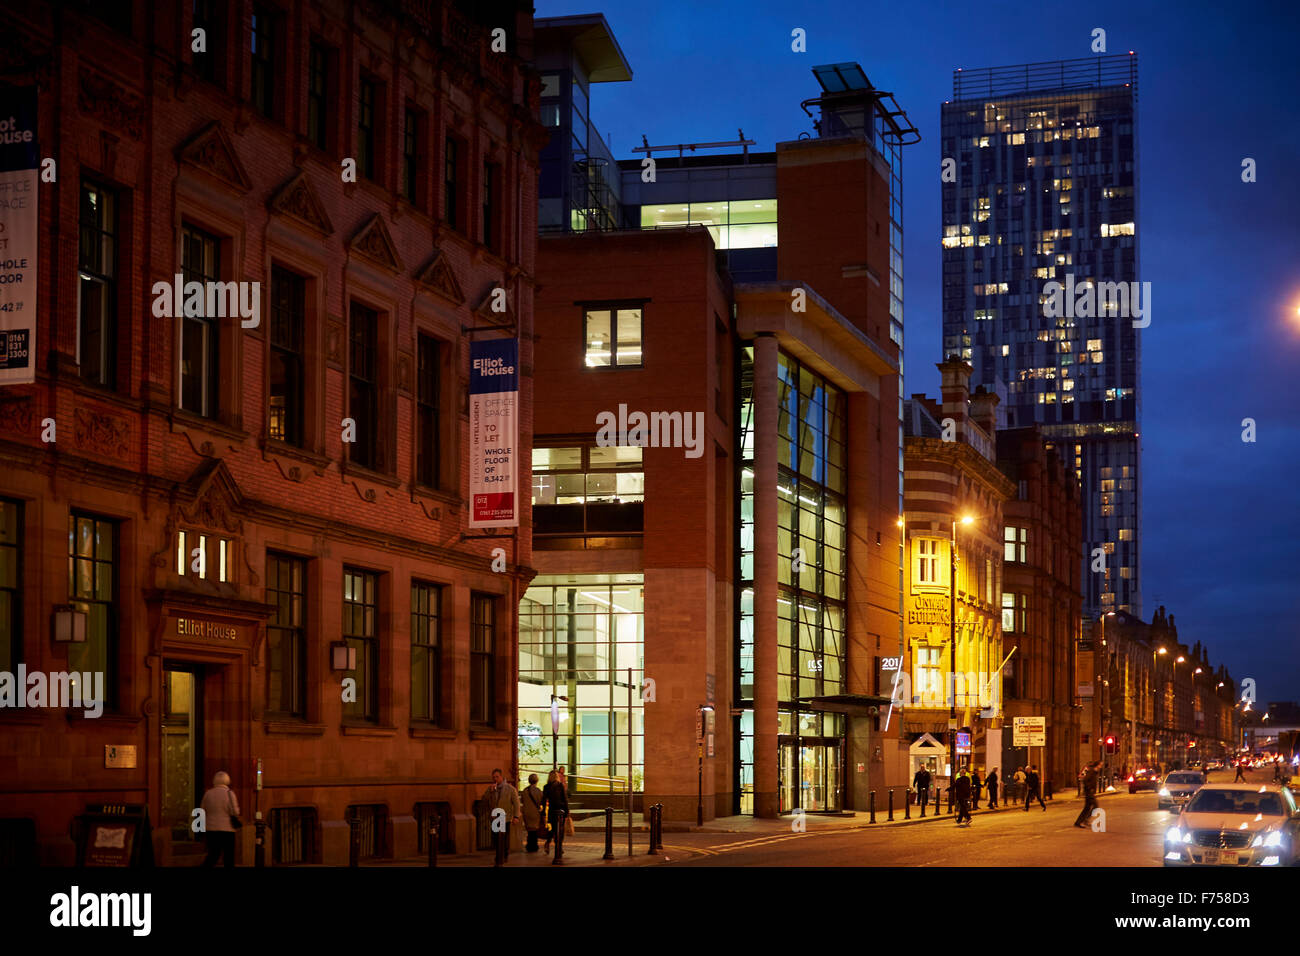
[579, 635]
[812, 544]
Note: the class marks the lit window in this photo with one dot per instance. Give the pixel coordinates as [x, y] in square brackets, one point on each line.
[193, 550]
[1117, 229]
[613, 337]
[1015, 544]
[926, 567]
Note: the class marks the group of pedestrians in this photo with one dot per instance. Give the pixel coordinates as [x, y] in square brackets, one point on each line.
[542, 811]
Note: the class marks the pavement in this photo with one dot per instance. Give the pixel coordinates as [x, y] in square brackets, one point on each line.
[683, 841]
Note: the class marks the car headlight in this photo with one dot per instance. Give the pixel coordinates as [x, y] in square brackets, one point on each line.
[1174, 835]
[1164, 791]
[1268, 839]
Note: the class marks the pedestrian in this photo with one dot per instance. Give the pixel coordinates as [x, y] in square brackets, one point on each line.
[534, 804]
[961, 790]
[921, 784]
[1084, 819]
[557, 808]
[501, 796]
[975, 785]
[1033, 788]
[220, 820]
[991, 782]
[1241, 773]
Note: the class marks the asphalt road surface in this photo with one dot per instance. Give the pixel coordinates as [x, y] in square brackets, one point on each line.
[1132, 836]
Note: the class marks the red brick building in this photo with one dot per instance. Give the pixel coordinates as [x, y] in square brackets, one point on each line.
[713, 604]
[1042, 602]
[234, 512]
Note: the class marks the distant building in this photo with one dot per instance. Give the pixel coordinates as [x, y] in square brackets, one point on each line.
[1044, 189]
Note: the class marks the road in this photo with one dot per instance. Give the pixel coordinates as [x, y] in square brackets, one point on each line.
[1132, 837]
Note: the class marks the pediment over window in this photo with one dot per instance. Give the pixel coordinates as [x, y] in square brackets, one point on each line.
[373, 242]
[485, 314]
[215, 500]
[297, 200]
[438, 276]
[212, 151]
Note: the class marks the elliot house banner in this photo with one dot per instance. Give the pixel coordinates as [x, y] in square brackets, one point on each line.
[494, 433]
[18, 235]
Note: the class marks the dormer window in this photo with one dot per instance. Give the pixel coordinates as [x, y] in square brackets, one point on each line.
[207, 557]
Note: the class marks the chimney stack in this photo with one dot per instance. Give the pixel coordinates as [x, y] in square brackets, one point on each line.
[955, 390]
[983, 411]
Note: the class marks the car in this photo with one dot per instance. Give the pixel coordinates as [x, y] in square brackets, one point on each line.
[1143, 780]
[1177, 788]
[1236, 824]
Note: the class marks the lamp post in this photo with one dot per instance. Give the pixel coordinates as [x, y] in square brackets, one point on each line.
[699, 804]
[1155, 731]
[952, 649]
[555, 728]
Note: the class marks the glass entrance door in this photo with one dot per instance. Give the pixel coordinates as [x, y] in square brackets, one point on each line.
[182, 748]
[810, 775]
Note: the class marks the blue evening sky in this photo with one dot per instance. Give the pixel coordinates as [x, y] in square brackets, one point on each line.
[1216, 84]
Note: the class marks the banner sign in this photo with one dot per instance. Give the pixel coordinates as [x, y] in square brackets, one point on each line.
[19, 226]
[494, 433]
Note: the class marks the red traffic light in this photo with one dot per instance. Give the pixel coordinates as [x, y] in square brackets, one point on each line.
[1110, 745]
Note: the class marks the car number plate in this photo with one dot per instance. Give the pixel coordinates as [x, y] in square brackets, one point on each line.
[1228, 857]
[1211, 856]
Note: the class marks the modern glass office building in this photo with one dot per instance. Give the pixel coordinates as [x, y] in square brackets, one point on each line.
[1044, 189]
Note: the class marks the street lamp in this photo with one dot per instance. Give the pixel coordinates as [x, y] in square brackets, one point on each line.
[555, 728]
[1155, 730]
[952, 648]
[699, 805]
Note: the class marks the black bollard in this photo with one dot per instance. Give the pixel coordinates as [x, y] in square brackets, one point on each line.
[259, 856]
[873, 806]
[890, 818]
[433, 843]
[659, 826]
[907, 805]
[609, 834]
[950, 798]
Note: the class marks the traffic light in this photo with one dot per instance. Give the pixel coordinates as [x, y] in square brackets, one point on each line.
[1111, 744]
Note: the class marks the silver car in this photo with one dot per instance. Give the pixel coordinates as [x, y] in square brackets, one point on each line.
[1236, 824]
[1177, 788]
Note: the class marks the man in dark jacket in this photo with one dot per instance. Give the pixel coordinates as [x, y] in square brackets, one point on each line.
[921, 784]
[1033, 788]
[1089, 797]
[991, 781]
[961, 796]
[975, 785]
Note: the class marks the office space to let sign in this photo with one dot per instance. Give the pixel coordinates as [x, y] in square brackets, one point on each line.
[494, 433]
[19, 225]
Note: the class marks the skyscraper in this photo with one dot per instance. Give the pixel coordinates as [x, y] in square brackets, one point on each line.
[1040, 199]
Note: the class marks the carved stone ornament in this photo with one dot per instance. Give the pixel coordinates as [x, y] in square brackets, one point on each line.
[111, 104]
[334, 342]
[374, 243]
[212, 151]
[100, 432]
[297, 200]
[16, 417]
[439, 277]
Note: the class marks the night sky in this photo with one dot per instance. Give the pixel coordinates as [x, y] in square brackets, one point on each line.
[1216, 84]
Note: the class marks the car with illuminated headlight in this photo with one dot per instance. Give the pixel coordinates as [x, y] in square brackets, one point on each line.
[1177, 787]
[1236, 824]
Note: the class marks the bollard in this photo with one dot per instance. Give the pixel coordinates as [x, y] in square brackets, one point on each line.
[907, 805]
[873, 806]
[950, 799]
[654, 832]
[259, 858]
[609, 834]
[890, 818]
[659, 826]
[433, 844]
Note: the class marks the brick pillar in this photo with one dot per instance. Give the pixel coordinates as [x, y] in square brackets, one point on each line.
[766, 802]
